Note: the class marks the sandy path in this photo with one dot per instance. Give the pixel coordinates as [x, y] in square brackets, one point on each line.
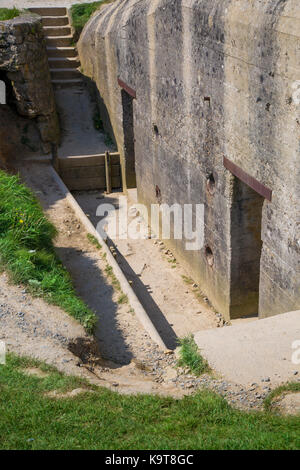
[156, 278]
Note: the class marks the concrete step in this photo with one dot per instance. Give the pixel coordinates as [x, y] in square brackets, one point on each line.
[59, 41]
[49, 11]
[63, 52]
[64, 63]
[64, 74]
[55, 20]
[67, 83]
[57, 30]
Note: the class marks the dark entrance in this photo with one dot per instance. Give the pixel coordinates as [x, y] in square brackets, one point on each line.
[246, 245]
[128, 128]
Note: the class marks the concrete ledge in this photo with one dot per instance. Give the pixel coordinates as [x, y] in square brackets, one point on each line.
[125, 286]
[250, 352]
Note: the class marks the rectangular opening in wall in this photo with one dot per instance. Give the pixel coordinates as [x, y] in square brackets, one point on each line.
[246, 245]
[128, 129]
[6, 92]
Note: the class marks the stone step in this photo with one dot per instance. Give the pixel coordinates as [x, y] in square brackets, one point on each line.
[55, 20]
[67, 83]
[59, 41]
[64, 63]
[63, 52]
[64, 74]
[49, 11]
[57, 31]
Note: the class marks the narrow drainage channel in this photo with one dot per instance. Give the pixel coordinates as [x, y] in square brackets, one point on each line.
[160, 283]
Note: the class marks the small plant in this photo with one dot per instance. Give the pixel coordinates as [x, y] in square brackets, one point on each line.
[8, 13]
[99, 126]
[93, 240]
[123, 299]
[187, 280]
[190, 356]
[82, 12]
[98, 123]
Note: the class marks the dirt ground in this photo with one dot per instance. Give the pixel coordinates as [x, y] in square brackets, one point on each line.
[155, 276]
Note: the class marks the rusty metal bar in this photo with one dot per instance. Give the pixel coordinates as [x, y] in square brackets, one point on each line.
[127, 88]
[108, 172]
[260, 188]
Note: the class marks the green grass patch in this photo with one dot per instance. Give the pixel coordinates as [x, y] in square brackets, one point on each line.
[81, 13]
[291, 387]
[122, 299]
[93, 240]
[107, 420]
[8, 13]
[27, 251]
[190, 357]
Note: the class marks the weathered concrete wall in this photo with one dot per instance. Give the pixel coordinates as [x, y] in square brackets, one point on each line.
[23, 58]
[212, 79]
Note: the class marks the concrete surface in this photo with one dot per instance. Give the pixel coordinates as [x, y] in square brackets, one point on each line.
[254, 351]
[211, 79]
[156, 277]
[79, 136]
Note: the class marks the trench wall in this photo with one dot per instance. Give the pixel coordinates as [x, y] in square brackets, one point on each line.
[212, 79]
[24, 64]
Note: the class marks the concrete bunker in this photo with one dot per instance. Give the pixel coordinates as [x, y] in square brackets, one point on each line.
[213, 79]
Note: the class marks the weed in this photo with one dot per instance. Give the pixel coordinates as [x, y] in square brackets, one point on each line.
[122, 299]
[82, 12]
[8, 13]
[190, 356]
[93, 240]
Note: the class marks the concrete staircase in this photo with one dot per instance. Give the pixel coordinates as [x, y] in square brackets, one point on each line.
[62, 55]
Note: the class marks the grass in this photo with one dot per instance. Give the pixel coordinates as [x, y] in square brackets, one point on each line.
[190, 357]
[8, 13]
[93, 240]
[283, 389]
[27, 252]
[99, 126]
[122, 299]
[107, 420]
[81, 13]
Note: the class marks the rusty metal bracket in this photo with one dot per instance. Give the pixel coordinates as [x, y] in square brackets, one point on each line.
[260, 188]
[127, 88]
